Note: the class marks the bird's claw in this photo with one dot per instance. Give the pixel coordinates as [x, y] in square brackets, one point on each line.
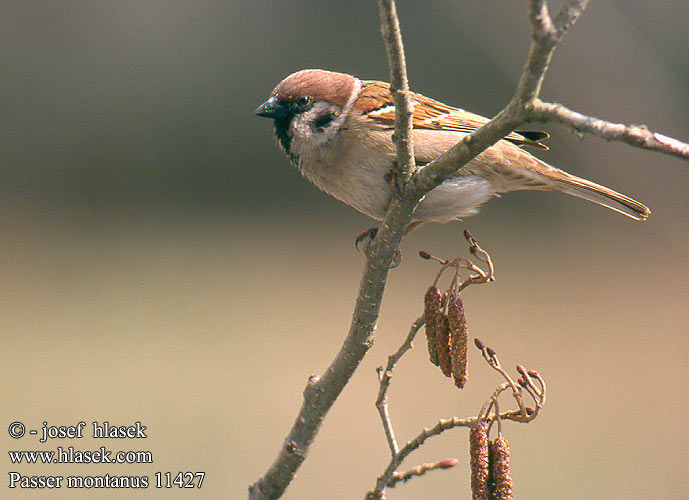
[367, 238]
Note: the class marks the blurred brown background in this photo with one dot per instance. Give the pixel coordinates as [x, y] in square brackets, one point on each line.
[162, 262]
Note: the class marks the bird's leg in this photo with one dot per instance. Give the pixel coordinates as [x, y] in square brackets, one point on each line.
[392, 179]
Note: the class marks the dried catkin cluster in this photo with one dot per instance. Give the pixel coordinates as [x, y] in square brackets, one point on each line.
[446, 324]
[446, 332]
[490, 465]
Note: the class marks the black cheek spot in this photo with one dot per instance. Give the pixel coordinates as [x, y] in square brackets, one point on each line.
[323, 121]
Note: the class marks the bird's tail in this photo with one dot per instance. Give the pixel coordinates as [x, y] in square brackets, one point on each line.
[551, 178]
[581, 188]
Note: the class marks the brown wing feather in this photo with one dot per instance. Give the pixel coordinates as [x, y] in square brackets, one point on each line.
[375, 100]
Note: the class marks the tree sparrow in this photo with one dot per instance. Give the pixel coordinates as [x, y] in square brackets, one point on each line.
[337, 130]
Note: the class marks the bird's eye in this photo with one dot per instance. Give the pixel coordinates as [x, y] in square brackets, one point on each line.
[303, 102]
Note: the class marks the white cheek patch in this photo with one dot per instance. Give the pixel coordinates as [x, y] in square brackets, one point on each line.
[305, 126]
[308, 141]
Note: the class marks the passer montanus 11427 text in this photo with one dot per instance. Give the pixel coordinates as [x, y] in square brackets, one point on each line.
[337, 130]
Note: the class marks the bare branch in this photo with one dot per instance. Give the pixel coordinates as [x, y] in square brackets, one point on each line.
[469, 147]
[321, 392]
[635, 135]
[404, 108]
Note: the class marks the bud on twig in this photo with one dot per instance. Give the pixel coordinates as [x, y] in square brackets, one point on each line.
[447, 463]
[478, 449]
[458, 340]
[469, 237]
[420, 470]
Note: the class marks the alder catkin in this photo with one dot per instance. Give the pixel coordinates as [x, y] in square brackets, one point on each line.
[478, 450]
[500, 469]
[432, 313]
[442, 343]
[458, 340]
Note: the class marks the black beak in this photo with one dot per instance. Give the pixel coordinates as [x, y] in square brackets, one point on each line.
[272, 108]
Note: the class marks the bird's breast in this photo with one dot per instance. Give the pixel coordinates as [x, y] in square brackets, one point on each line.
[352, 169]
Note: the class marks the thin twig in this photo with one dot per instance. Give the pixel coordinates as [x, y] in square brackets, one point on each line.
[524, 414]
[404, 107]
[497, 414]
[420, 470]
[412, 445]
[538, 394]
[384, 378]
[492, 358]
[569, 14]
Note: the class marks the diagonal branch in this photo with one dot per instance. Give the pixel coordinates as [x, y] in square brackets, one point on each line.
[526, 106]
[544, 38]
[321, 392]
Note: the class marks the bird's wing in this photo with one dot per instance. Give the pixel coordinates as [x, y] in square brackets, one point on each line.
[375, 101]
